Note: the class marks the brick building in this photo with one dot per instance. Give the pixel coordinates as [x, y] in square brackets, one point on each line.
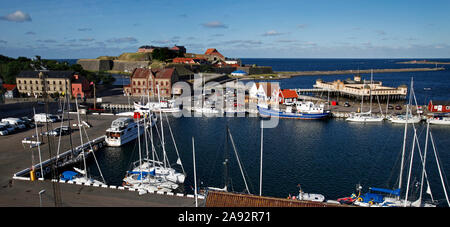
[145, 80]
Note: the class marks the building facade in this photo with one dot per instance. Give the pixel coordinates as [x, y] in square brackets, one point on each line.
[145, 81]
[33, 83]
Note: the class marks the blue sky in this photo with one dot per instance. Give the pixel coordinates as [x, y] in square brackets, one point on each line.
[246, 28]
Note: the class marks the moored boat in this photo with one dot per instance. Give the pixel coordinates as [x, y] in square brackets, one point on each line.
[122, 131]
[303, 110]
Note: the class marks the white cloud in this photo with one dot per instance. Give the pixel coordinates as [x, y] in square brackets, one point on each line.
[122, 40]
[214, 24]
[272, 33]
[17, 16]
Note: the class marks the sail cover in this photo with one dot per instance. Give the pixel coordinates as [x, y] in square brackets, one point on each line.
[389, 191]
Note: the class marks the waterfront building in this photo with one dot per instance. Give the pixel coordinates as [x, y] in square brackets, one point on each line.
[288, 96]
[145, 80]
[358, 88]
[439, 106]
[264, 90]
[33, 83]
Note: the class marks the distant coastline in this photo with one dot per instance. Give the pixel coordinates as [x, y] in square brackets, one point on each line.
[424, 62]
[285, 75]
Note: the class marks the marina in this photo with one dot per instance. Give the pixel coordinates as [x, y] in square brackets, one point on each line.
[294, 152]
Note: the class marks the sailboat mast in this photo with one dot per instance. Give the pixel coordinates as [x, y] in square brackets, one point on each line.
[162, 128]
[404, 143]
[195, 174]
[39, 147]
[370, 90]
[410, 166]
[81, 138]
[261, 159]
[424, 161]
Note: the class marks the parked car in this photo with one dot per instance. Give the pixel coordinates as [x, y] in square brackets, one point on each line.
[27, 122]
[346, 104]
[15, 122]
[10, 128]
[64, 130]
[3, 130]
[390, 107]
[398, 107]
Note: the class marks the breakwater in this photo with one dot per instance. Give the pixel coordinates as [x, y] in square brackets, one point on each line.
[340, 72]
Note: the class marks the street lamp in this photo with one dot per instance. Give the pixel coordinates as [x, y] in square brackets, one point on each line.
[40, 199]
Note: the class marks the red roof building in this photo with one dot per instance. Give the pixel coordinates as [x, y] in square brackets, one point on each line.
[215, 54]
[145, 81]
[11, 90]
[288, 96]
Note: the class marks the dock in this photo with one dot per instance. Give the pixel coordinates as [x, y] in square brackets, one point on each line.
[18, 190]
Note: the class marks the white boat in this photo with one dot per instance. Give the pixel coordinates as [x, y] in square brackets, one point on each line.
[158, 170]
[364, 117]
[408, 117]
[439, 120]
[122, 131]
[402, 119]
[163, 106]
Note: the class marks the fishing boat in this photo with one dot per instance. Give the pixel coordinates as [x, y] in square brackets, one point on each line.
[122, 131]
[303, 110]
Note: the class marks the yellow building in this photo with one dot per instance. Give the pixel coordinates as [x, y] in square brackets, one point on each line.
[33, 83]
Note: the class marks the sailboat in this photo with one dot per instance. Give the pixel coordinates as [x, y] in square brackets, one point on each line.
[144, 179]
[408, 117]
[81, 176]
[150, 173]
[365, 116]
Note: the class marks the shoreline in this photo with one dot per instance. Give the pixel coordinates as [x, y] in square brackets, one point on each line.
[286, 75]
